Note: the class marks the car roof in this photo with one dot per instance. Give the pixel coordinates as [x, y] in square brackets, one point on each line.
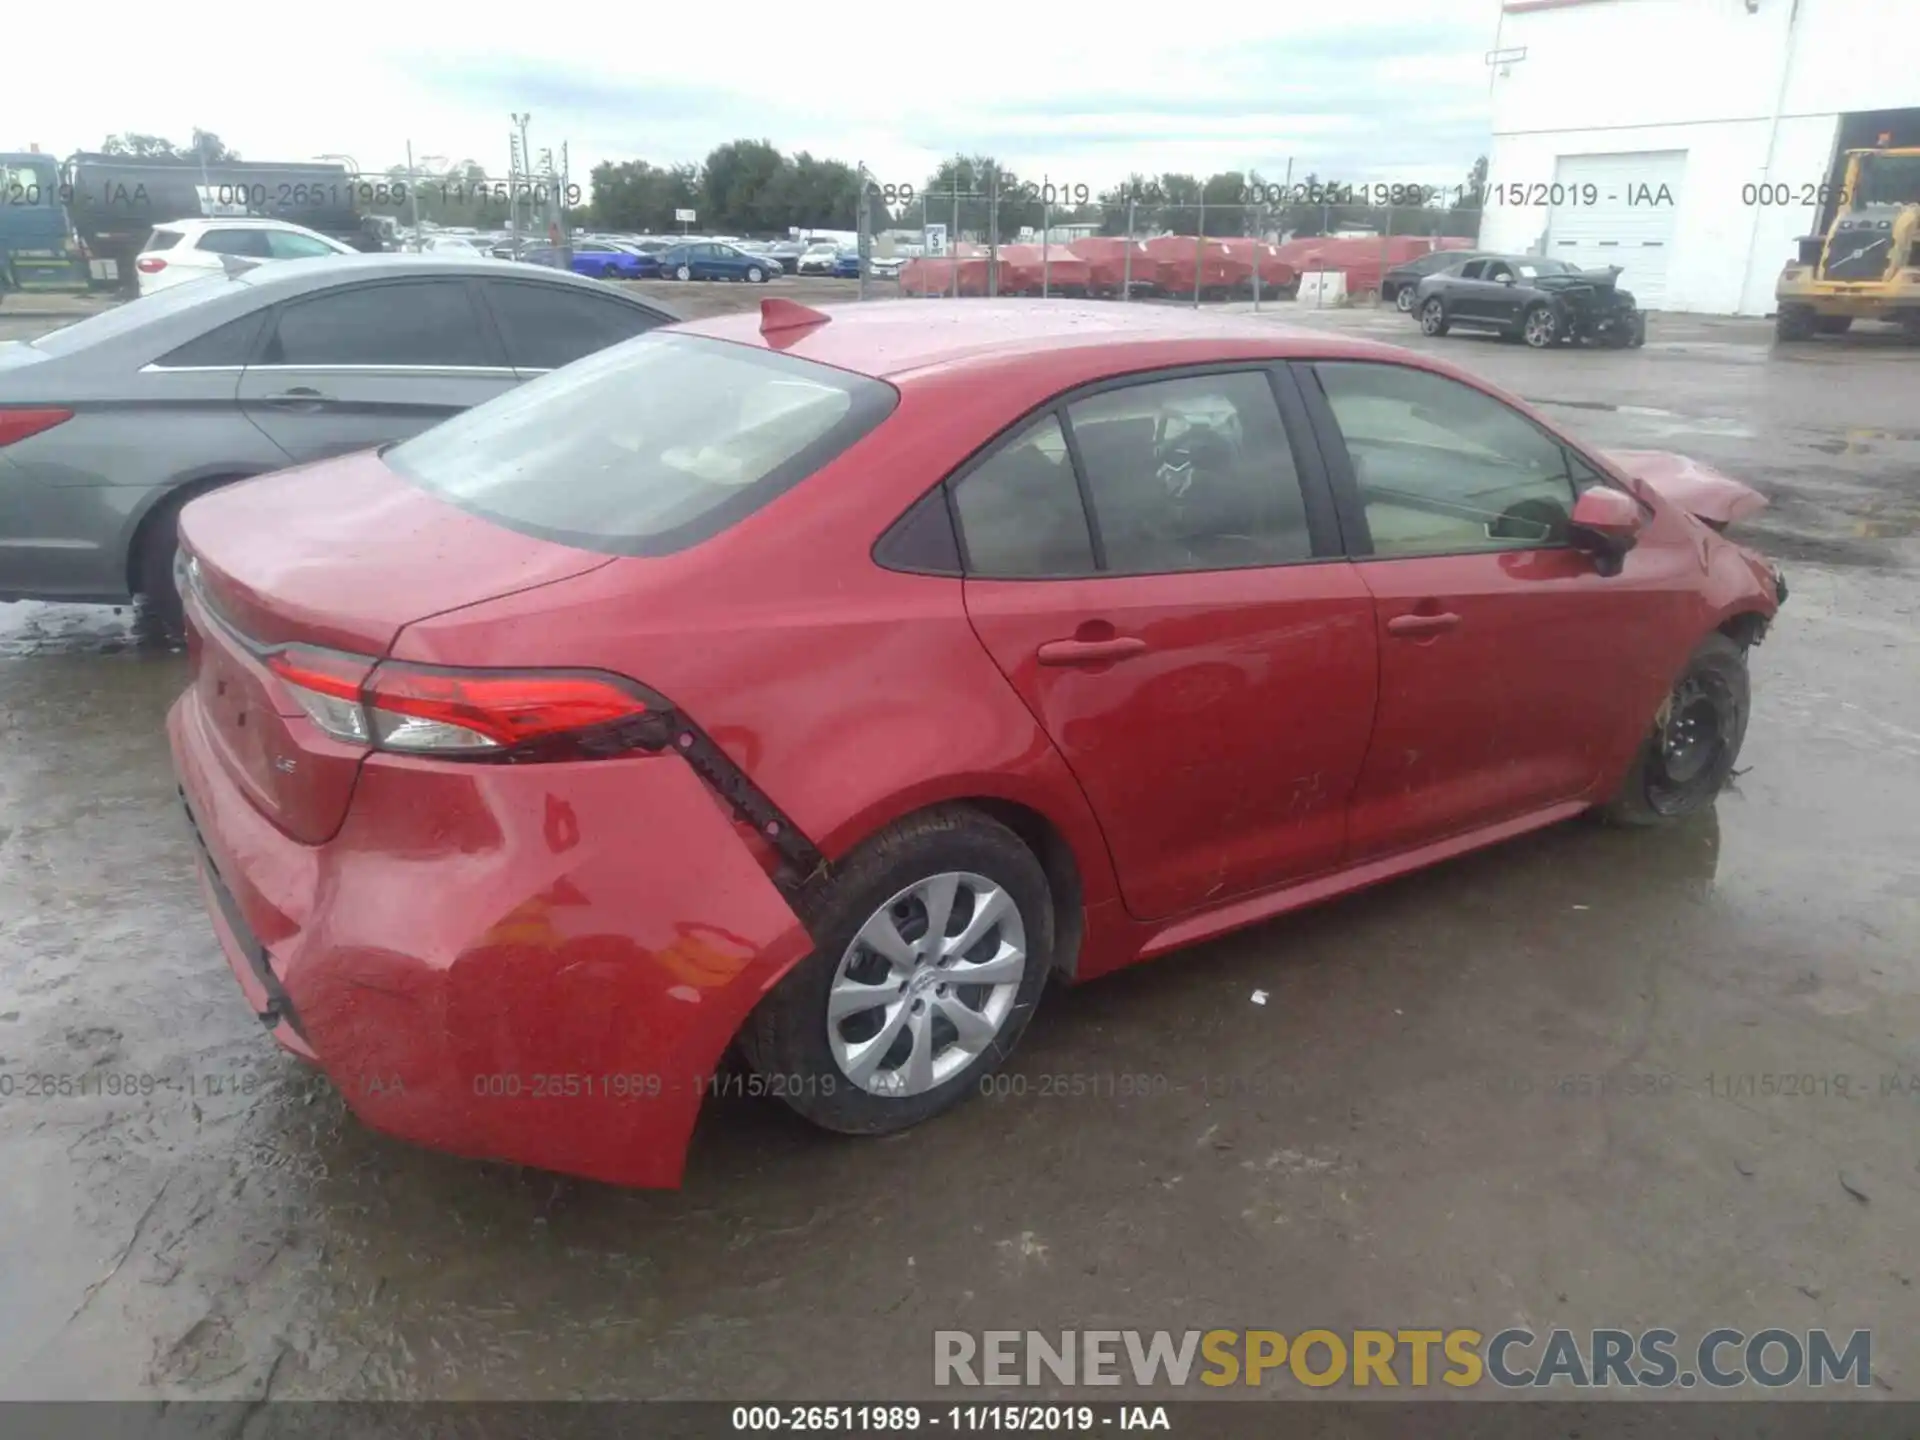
[891, 339]
[232, 222]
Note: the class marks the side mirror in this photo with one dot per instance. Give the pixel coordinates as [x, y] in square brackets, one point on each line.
[1506, 279]
[1605, 524]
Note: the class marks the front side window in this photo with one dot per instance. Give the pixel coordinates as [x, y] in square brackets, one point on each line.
[1443, 468]
[428, 323]
[647, 447]
[286, 245]
[1191, 474]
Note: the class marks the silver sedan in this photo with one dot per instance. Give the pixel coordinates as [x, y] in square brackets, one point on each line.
[110, 425]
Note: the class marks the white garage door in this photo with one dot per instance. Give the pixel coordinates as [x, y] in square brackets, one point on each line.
[1629, 222]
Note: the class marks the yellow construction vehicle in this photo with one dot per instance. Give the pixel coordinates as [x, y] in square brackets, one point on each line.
[1867, 265]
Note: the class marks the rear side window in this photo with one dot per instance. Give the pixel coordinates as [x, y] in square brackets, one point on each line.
[250, 243]
[161, 240]
[1191, 474]
[646, 448]
[1020, 511]
[228, 345]
[423, 323]
[547, 326]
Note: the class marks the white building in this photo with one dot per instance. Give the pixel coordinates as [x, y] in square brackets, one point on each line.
[1638, 132]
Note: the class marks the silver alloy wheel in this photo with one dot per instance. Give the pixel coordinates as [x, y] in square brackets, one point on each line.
[1433, 317]
[683, 273]
[927, 984]
[1403, 298]
[755, 274]
[1540, 327]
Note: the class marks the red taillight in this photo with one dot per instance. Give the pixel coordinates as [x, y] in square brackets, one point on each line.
[150, 264]
[416, 709]
[19, 424]
[507, 707]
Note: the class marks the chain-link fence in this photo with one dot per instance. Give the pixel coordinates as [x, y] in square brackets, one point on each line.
[1328, 245]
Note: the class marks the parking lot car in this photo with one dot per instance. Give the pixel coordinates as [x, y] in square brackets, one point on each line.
[715, 260]
[186, 250]
[1399, 284]
[109, 425]
[1525, 297]
[822, 683]
[610, 260]
[819, 258]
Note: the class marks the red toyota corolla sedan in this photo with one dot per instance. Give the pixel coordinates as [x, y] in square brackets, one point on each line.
[822, 684]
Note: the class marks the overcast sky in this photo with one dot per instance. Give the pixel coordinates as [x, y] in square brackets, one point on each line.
[1375, 90]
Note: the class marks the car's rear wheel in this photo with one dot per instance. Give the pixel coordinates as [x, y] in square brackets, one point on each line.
[1433, 317]
[934, 942]
[683, 273]
[1403, 299]
[1540, 327]
[1689, 754]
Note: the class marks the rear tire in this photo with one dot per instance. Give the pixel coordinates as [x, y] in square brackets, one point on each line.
[155, 551]
[1695, 741]
[824, 1071]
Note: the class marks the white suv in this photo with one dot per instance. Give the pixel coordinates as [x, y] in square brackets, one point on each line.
[183, 250]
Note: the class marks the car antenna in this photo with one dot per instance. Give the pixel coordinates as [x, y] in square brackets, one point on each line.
[779, 316]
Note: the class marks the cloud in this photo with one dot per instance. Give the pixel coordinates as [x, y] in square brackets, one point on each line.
[1394, 91]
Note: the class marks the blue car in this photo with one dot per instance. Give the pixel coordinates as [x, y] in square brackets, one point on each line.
[592, 257]
[713, 260]
[846, 265]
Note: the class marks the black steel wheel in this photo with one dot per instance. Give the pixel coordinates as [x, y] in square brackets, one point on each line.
[1695, 741]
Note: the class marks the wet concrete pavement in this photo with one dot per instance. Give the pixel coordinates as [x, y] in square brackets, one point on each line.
[1545, 1085]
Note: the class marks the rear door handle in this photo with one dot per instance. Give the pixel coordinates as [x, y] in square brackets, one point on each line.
[301, 397]
[1090, 652]
[1422, 624]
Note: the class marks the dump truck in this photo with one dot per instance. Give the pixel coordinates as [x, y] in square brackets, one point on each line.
[1867, 264]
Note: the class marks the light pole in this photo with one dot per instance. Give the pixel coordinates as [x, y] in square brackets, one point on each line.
[520, 119]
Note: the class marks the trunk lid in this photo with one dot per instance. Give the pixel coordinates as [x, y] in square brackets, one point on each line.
[1699, 489]
[340, 555]
[344, 552]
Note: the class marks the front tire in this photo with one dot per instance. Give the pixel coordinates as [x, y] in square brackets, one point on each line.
[1793, 323]
[1433, 318]
[1540, 327]
[1832, 324]
[935, 939]
[1686, 759]
[756, 274]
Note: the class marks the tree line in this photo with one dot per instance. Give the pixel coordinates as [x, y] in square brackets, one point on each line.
[749, 187]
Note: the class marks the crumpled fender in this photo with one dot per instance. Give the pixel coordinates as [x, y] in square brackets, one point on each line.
[1697, 488]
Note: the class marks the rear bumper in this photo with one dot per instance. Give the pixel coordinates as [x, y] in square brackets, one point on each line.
[539, 964]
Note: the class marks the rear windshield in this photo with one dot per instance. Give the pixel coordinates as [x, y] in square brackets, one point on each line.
[647, 447]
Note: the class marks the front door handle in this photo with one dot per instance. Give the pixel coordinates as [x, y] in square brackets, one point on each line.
[301, 397]
[1090, 652]
[1422, 624]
